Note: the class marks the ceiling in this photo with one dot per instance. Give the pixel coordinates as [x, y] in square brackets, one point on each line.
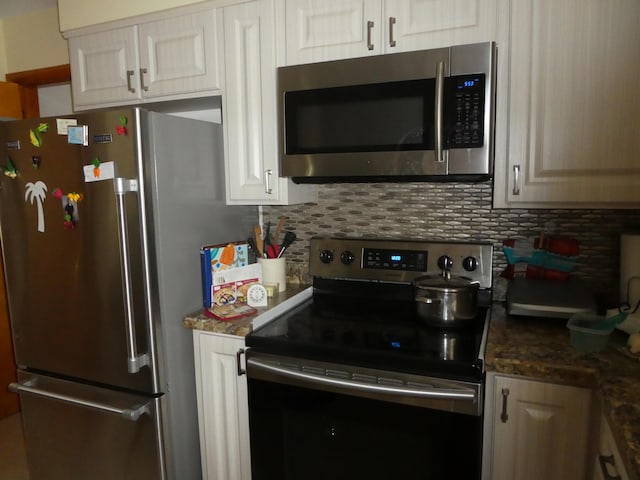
[12, 8]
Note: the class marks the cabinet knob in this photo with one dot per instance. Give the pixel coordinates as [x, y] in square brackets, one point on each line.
[503, 416]
[239, 354]
[370, 25]
[392, 22]
[267, 181]
[129, 87]
[516, 179]
[142, 72]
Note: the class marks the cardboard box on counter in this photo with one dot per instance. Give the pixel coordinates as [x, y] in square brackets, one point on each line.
[226, 273]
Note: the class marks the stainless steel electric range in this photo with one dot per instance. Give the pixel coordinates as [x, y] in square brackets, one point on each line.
[353, 384]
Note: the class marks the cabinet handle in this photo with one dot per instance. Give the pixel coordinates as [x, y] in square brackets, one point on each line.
[392, 22]
[135, 360]
[142, 72]
[503, 416]
[129, 87]
[604, 460]
[369, 28]
[516, 180]
[439, 112]
[239, 354]
[267, 181]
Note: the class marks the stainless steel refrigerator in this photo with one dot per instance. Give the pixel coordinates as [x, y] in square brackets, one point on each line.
[102, 216]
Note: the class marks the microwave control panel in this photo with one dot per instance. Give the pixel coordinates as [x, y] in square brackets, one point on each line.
[467, 113]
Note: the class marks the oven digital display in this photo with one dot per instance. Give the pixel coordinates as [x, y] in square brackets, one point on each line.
[380, 258]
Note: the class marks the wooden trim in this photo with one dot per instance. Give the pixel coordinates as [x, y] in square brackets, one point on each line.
[30, 80]
[11, 105]
[41, 76]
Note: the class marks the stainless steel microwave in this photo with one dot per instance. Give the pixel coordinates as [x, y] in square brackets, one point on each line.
[414, 116]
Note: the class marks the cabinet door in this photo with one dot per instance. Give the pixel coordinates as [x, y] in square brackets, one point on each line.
[319, 30]
[411, 25]
[105, 67]
[249, 106]
[540, 430]
[223, 409]
[572, 87]
[179, 55]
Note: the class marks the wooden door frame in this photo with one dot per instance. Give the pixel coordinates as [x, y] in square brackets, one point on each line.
[30, 80]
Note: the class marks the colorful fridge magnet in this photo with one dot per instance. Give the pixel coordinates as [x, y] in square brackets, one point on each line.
[78, 135]
[34, 134]
[70, 207]
[35, 161]
[106, 171]
[37, 192]
[96, 167]
[10, 169]
[122, 128]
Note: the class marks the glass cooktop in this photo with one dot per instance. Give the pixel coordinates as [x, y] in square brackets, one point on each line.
[381, 335]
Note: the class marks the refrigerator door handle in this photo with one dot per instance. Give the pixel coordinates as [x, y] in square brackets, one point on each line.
[135, 361]
[132, 413]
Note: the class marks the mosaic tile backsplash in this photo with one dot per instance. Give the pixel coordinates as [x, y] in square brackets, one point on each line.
[452, 211]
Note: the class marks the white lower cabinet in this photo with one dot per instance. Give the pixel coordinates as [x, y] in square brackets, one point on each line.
[608, 462]
[223, 410]
[536, 430]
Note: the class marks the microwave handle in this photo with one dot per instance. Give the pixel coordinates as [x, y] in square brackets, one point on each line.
[439, 105]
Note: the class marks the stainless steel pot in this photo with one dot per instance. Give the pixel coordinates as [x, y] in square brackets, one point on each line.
[446, 300]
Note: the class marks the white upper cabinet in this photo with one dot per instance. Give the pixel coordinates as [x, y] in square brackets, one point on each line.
[249, 110]
[319, 30]
[569, 110]
[172, 57]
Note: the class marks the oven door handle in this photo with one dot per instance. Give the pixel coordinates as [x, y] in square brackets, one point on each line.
[435, 393]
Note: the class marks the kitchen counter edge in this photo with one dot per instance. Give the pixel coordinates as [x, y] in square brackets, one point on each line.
[281, 302]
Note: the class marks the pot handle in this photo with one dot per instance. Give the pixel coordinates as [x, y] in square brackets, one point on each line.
[428, 300]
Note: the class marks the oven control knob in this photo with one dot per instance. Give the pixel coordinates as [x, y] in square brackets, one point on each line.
[445, 262]
[326, 256]
[347, 257]
[470, 264]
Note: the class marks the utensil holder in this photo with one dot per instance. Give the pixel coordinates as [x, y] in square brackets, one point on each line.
[274, 271]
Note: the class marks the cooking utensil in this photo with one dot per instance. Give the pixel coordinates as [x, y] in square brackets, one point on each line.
[252, 245]
[289, 238]
[279, 228]
[446, 301]
[257, 230]
[267, 241]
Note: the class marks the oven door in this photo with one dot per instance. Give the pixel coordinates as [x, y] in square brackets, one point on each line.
[358, 427]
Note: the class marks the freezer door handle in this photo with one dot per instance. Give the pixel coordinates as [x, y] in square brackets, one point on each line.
[134, 360]
[132, 413]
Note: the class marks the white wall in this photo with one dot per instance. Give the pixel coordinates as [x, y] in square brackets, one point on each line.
[55, 100]
[33, 41]
[82, 13]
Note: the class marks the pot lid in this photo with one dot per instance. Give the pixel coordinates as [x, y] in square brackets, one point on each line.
[445, 281]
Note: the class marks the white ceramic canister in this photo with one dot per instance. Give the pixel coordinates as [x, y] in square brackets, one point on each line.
[274, 270]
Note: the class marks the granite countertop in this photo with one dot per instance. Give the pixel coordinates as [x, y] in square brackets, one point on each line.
[242, 326]
[541, 348]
